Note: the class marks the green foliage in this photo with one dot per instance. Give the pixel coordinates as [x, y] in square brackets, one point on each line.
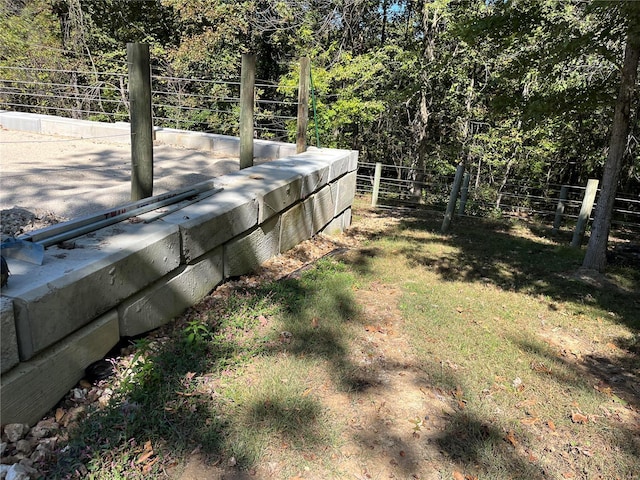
[515, 89]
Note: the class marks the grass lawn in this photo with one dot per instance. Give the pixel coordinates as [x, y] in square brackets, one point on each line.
[405, 354]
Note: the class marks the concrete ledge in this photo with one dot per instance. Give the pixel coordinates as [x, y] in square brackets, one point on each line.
[158, 304]
[346, 192]
[24, 122]
[213, 221]
[32, 388]
[297, 225]
[98, 276]
[247, 253]
[9, 354]
[115, 133]
[324, 207]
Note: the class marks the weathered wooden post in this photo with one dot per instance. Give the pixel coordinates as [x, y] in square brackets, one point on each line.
[376, 184]
[562, 202]
[247, 98]
[453, 197]
[585, 212]
[141, 120]
[465, 193]
[303, 105]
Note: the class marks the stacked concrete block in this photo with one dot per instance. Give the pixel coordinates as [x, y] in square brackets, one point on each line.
[46, 312]
[169, 297]
[9, 357]
[248, 252]
[30, 389]
[130, 278]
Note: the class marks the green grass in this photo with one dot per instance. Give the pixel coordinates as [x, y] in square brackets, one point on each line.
[498, 324]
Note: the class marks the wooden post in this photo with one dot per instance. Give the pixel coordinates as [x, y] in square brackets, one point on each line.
[376, 184]
[465, 193]
[585, 212]
[141, 120]
[303, 105]
[247, 98]
[562, 202]
[453, 197]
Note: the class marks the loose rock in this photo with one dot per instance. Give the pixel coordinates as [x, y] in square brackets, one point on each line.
[16, 431]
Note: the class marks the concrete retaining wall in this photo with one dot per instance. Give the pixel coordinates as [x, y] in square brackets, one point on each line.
[129, 278]
[120, 132]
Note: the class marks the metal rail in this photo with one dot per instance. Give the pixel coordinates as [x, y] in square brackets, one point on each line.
[74, 228]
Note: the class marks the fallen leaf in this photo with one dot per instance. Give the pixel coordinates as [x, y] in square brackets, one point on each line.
[314, 322]
[402, 453]
[148, 466]
[612, 346]
[603, 388]
[144, 457]
[59, 414]
[577, 417]
[541, 368]
[551, 425]
[568, 475]
[457, 475]
[530, 420]
[511, 438]
[263, 320]
[307, 392]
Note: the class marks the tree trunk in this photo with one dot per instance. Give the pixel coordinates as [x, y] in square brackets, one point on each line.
[596, 256]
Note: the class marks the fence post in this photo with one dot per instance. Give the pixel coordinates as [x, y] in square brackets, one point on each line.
[465, 193]
[585, 212]
[247, 98]
[141, 120]
[303, 105]
[453, 197]
[376, 184]
[562, 202]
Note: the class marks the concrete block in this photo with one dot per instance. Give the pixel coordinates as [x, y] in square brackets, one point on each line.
[213, 221]
[297, 225]
[170, 296]
[324, 207]
[338, 224]
[247, 253]
[23, 122]
[346, 192]
[274, 186]
[9, 343]
[226, 145]
[32, 388]
[70, 127]
[62, 295]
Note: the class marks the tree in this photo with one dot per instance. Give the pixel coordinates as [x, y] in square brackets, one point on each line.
[596, 258]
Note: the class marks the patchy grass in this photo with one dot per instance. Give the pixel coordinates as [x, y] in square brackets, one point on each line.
[476, 354]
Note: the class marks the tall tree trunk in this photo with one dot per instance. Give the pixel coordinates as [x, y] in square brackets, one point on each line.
[596, 256]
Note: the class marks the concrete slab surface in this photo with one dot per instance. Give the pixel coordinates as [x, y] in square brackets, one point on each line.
[72, 177]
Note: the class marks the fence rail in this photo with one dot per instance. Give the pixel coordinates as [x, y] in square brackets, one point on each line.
[498, 198]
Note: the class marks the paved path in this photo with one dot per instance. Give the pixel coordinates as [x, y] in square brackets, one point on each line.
[74, 177]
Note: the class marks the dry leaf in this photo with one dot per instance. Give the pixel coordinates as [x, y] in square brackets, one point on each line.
[59, 414]
[511, 438]
[603, 388]
[314, 322]
[577, 417]
[551, 425]
[530, 420]
[307, 392]
[457, 475]
[612, 346]
[568, 475]
[147, 468]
